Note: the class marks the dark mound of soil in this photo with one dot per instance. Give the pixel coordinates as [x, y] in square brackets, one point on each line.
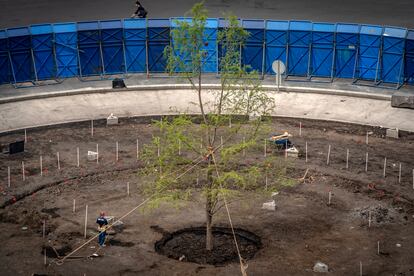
[190, 245]
[114, 242]
[53, 252]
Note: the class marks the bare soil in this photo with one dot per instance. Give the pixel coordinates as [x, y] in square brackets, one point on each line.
[304, 228]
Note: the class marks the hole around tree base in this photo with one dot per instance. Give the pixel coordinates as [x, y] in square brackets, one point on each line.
[189, 245]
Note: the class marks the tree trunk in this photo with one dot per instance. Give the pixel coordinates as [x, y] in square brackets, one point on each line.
[209, 206]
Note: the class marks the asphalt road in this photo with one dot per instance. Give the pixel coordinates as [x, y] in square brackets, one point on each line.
[15, 13]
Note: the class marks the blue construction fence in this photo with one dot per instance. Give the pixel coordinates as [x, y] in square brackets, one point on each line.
[379, 55]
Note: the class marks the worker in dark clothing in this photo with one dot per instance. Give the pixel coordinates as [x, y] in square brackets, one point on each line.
[102, 223]
[140, 12]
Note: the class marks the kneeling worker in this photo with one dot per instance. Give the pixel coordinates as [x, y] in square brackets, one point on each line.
[102, 224]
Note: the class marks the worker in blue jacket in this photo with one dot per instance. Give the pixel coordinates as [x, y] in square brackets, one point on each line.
[102, 225]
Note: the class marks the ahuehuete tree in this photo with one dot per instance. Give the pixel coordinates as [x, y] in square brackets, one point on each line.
[209, 140]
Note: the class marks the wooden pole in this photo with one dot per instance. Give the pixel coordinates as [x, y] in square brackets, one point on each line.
[399, 174]
[58, 160]
[74, 206]
[378, 247]
[221, 141]
[97, 154]
[44, 229]
[300, 129]
[366, 138]
[23, 172]
[244, 149]
[329, 153]
[158, 150]
[179, 147]
[266, 182]
[329, 197]
[8, 177]
[92, 128]
[41, 165]
[265, 150]
[117, 151]
[366, 161]
[347, 158]
[44, 257]
[360, 268]
[385, 166]
[86, 220]
[369, 219]
[229, 122]
[128, 188]
[306, 152]
[77, 157]
[25, 136]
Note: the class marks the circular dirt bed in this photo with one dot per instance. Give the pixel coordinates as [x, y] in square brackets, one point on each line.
[190, 245]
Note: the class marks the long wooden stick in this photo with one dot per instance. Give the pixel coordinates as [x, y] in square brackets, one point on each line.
[58, 160]
[385, 166]
[41, 165]
[117, 147]
[86, 219]
[399, 174]
[347, 158]
[329, 154]
[77, 157]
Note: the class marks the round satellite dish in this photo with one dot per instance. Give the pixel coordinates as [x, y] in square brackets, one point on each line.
[278, 67]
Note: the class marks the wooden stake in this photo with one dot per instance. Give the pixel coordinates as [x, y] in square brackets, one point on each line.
[347, 158]
[137, 149]
[266, 182]
[86, 220]
[300, 129]
[201, 143]
[23, 172]
[366, 138]
[158, 150]
[329, 153]
[197, 181]
[399, 174]
[74, 206]
[8, 177]
[58, 160]
[265, 149]
[97, 154]
[369, 219]
[306, 152]
[41, 165]
[44, 257]
[179, 147]
[229, 122]
[221, 141]
[385, 166]
[366, 162]
[378, 247]
[44, 229]
[25, 136]
[77, 157]
[92, 128]
[128, 188]
[244, 149]
[329, 198]
[360, 268]
[117, 151]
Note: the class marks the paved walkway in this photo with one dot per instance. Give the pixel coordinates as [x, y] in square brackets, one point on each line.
[75, 100]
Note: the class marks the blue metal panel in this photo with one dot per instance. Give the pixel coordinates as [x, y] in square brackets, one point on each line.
[66, 48]
[322, 51]
[20, 53]
[222, 24]
[210, 60]
[300, 35]
[393, 46]
[113, 46]
[135, 34]
[346, 49]
[409, 57]
[158, 39]
[252, 52]
[5, 72]
[276, 42]
[369, 52]
[43, 51]
[89, 46]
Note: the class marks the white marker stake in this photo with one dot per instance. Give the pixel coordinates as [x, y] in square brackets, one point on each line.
[399, 174]
[360, 268]
[179, 147]
[366, 162]
[197, 181]
[378, 248]
[8, 177]
[266, 183]
[366, 138]
[86, 219]
[25, 136]
[128, 188]
[306, 152]
[329, 154]
[244, 149]
[117, 151]
[369, 219]
[385, 166]
[97, 154]
[221, 141]
[58, 160]
[158, 150]
[41, 165]
[265, 150]
[137, 149]
[44, 257]
[23, 173]
[44, 228]
[329, 198]
[74, 206]
[300, 128]
[77, 157]
[92, 128]
[347, 158]
[230, 122]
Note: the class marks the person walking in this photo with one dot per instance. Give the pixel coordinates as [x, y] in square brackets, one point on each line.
[140, 12]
